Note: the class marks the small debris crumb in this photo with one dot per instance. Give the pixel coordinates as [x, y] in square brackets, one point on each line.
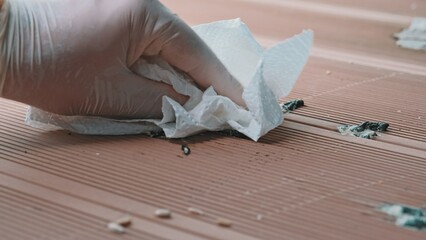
[223, 222]
[186, 150]
[115, 227]
[125, 221]
[399, 111]
[398, 210]
[259, 217]
[368, 134]
[231, 133]
[156, 134]
[195, 211]
[411, 222]
[163, 213]
[328, 72]
[367, 130]
[406, 216]
[292, 105]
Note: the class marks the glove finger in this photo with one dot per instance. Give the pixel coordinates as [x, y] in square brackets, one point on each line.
[181, 47]
[125, 96]
[130, 97]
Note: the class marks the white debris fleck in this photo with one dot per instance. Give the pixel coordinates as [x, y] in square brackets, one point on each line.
[393, 210]
[259, 217]
[163, 213]
[115, 227]
[328, 72]
[195, 211]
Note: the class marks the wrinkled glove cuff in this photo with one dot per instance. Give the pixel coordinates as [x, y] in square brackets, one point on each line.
[4, 19]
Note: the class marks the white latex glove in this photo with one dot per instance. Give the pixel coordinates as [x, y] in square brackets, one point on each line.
[74, 57]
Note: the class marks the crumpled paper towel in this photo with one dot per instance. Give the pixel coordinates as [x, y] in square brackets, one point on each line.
[413, 37]
[266, 76]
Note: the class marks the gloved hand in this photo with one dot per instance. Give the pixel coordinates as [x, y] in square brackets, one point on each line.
[74, 57]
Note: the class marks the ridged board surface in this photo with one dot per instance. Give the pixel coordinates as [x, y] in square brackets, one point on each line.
[303, 180]
[346, 93]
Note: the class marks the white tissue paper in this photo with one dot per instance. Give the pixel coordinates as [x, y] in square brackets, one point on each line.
[413, 37]
[266, 76]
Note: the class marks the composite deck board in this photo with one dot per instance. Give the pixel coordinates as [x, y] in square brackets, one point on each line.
[353, 35]
[351, 94]
[291, 178]
[302, 180]
[400, 7]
